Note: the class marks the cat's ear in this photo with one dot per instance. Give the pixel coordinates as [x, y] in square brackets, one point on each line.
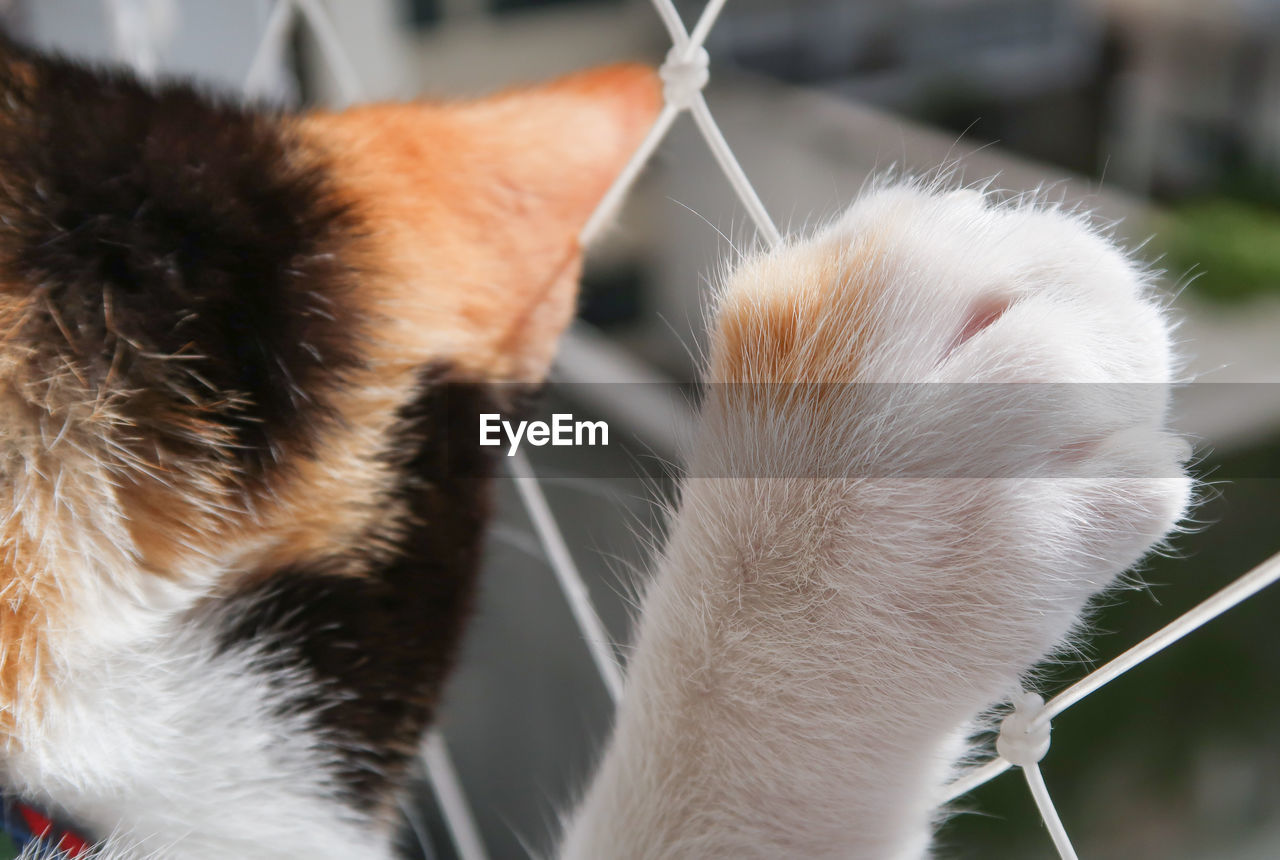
[473, 211]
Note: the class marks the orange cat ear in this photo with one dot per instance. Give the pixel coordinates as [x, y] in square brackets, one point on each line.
[473, 210]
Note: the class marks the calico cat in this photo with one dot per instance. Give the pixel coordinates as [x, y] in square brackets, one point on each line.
[242, 356]
[243, 360]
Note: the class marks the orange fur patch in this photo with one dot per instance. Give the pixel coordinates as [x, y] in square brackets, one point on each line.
[473, 211]
[797, 319]
[25, 607]
[792, 330]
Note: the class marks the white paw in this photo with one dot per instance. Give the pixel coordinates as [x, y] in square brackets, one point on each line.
[932, 432]
[991, 389]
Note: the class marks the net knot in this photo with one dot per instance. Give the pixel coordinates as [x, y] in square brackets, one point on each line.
[684, 74]
[1023, 739]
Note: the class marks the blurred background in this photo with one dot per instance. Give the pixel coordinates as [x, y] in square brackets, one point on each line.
[1161, 115]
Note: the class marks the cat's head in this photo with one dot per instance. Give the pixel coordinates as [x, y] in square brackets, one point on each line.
[212, 318]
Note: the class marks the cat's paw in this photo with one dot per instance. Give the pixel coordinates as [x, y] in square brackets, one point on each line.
[980, 389]
[931, 432]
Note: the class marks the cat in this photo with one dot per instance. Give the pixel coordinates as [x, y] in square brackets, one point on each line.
[241, 505]
[243, 359]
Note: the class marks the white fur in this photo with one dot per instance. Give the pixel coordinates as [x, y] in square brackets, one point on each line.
[179, 751]
[812, 651]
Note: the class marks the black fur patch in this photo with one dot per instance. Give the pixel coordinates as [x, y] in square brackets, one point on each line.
[174, 247]
[382, 644]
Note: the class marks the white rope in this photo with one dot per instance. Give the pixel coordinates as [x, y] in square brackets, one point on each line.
[701, 29]
[974, 778]
[331, 47]
[1237, 592]
[733, 171]
[1229, 597]
[684, 74]
[672, 21]
[1048, 812]
[566, 571]
[270, 48]
[608, 204]
[452, 799]
[1024, 741]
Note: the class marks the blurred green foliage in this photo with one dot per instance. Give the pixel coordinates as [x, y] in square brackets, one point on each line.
[1230, 245]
